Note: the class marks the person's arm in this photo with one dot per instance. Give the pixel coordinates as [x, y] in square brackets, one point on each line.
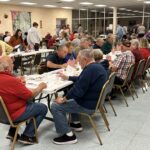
[11, 41]
[81, 86]
[70, 78]
[53, 65]
[116, 64]
[38, 90]
[8, 49]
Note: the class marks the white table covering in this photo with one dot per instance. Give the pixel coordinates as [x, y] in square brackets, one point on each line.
[32, 52]
[52, 79]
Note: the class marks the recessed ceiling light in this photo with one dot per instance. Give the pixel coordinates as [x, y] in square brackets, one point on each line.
[4, 0]
[100, 5]
[28, 3]
[147, 2]
[128, 10]
[51, 6]
[93, 10]
[86, 3]
[83, 9]
[67, 7]
[135, 11]
[67, 0]
[122, 8]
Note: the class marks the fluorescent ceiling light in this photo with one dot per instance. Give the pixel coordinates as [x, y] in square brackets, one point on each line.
[67, 0]
[93, 10]
[122, 8]
[67, 7]
[135, 11]
[128, 10]
[51, 6]
[83, 9]
[28, 3]
[86, 3]
[4, 0]
[147, 2]
[100, 5]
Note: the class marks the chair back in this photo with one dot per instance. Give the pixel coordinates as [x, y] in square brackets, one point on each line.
[4, 115]
[140, 68]
[147, 65]
[129, 74]
[106, 90]
[42, 68]
[37, 60]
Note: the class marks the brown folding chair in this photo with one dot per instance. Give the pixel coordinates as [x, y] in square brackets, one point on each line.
[127, 82]
[27, 63]
[37, 61]
[139, 74]
[146, 68]
[99, 107]
[5, 119]
[109, 90]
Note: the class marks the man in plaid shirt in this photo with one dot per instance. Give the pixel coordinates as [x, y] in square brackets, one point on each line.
[122, 63]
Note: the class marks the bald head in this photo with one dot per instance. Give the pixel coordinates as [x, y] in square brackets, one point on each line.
[6, 64]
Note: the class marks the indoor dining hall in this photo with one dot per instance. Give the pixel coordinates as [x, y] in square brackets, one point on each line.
[74, 74]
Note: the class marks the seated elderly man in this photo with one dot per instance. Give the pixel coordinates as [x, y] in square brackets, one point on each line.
[122, 63]
[107, 46]
[81, 98]
[57, 59]
[18, 100]
[76, 41]
[84, 44]
[5, 49]
[99, 43]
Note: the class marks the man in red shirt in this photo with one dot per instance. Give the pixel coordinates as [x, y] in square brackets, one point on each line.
[18, 100]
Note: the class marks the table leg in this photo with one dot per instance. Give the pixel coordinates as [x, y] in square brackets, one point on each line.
[49, 98]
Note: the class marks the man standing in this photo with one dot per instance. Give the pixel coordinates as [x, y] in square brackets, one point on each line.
[18, 100]
[80, 29]
[81, 98]
[33, 37]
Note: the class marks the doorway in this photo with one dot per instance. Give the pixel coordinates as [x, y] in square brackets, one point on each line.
[60, 22]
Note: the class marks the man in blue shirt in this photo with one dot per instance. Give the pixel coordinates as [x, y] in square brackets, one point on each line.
[57, 59]
[81, 98]
[107, 46]
[99, 43]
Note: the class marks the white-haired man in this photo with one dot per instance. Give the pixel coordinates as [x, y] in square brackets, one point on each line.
[81, 98]
[18, 100]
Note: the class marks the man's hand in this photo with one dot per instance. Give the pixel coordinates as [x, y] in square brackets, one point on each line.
[60, 100]
[64, 65]
[64, 77]
[42, 85]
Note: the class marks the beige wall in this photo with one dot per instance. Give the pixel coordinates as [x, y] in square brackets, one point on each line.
[47, 15]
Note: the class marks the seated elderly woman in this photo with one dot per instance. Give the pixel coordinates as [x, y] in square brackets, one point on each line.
[98, 56]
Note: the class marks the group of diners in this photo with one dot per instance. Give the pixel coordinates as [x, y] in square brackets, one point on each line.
[82, 97]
